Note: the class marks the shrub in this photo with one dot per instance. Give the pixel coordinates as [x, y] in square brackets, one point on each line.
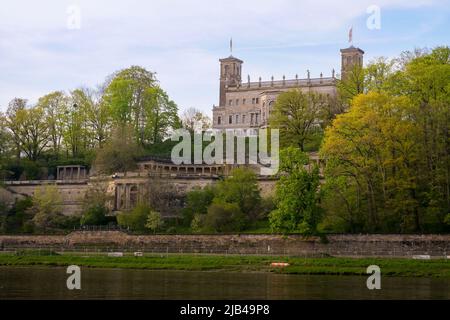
[197, 202]
[136, 219]
[224, 217]
[154, 221]
[96, 215]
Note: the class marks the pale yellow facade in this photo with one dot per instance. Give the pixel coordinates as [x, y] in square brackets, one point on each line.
[244, 107]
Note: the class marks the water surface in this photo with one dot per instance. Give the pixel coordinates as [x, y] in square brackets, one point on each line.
[50, 283]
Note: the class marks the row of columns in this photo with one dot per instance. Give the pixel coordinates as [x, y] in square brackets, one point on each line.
[203, 170]
[71, 173]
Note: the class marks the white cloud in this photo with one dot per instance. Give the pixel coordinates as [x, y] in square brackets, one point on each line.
[180, 39]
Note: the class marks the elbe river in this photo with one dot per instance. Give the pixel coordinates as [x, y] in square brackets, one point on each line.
[50, 283]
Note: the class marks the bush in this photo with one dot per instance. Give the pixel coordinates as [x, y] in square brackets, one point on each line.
[136, 219]
[18, 219]
[197, 202]
[46, 207]
[241, 188]
[154, 221]
[95, 216]
[224, 217]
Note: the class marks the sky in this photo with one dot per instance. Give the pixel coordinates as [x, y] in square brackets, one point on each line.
[52, 45]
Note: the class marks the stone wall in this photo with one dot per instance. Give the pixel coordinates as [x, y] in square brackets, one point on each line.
[338, 245]
[72, 194]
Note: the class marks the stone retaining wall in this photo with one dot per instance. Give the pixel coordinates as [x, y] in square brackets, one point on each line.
[338, 245]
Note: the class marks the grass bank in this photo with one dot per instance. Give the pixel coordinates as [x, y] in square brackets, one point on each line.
[234, 263]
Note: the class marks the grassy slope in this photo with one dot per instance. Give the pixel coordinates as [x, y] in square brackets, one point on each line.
[336, 266]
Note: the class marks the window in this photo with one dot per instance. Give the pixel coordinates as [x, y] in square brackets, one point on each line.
[243, 118]
[230, 119]
[237, 118]
[237, 102]
[219, 120]
[230, 102]
[257, 100]
[243, 101]
[256, 118]
[253, 100]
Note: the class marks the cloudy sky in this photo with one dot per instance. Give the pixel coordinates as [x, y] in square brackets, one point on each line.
[46, 46]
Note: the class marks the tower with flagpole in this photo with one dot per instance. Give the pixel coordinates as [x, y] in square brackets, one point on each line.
[351, 57]
[245, 107]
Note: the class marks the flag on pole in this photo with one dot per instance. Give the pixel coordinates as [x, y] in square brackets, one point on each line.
[231, 45]
[350, 35]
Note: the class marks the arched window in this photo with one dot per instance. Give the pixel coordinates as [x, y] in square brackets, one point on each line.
[133, 196]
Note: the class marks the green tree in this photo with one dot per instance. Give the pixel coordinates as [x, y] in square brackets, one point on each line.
[154, 221]
[224, 217]
[96, 114]
[135, 99]
[297, 194]
[47, 205]
[95, 216]
[298, 116]
[119, 153]
[29, 128]
[351, 85]
[197, 202]
[136, 219]
[54, 106]
[241, 187]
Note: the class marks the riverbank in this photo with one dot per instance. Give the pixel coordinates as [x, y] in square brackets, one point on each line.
[237, 263]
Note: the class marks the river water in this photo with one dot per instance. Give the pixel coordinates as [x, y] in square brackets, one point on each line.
[50, 283]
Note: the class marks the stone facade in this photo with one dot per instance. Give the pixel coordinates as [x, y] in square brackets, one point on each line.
[244, 107]
[295, 245]
[127, 189]
[72, 194]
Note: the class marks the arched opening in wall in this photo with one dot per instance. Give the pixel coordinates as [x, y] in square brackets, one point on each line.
[191, 170]
[122, 196]
[133, 196]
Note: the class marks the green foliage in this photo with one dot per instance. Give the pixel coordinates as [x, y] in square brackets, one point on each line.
[224, 217]
[241, 187]
[46, 207]
[95, 216]
[119, 154]
[136, 219]
[95, 205]
[154, 221]
[135, 99]
[298, 116]
[388, 157]
[18, 219]
[197, 223]
[229, 206]
[197, 202]
[297, 195]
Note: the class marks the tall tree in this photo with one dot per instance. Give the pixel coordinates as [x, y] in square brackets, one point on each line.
[297, 194]
[54, 105]
[298, 116]
[194, 120]
[29, 128]
[135, 98]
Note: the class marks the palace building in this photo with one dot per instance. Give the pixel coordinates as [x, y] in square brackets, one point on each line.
[244, 107]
